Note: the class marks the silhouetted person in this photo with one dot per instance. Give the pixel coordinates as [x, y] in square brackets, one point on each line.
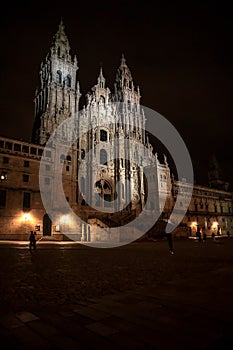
[204, 236]
[32, 240]
[228, 234]
[213, 235]
[199, 237]
[170, 238]
[198, 234]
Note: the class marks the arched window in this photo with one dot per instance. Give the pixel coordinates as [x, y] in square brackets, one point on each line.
[68, 158]
[103, 157]
[103, 135]
[59, 77]
[82, 154]
[68, 80]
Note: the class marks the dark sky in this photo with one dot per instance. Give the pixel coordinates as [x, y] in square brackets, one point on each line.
[180, 54]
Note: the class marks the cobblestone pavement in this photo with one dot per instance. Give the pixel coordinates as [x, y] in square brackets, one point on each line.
[69, 296]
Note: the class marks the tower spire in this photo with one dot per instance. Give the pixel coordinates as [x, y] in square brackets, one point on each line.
[60, 44]
[123, 75]
[124, 86]
[101, 79]
[123, 60]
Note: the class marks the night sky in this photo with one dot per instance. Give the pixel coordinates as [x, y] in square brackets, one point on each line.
[180, 54]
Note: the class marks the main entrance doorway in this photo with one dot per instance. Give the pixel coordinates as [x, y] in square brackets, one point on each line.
[47, 225]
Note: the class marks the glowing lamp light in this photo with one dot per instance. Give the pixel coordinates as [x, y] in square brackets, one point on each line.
[27, 217]
[194, 223]
[215, 224]
[64, 219]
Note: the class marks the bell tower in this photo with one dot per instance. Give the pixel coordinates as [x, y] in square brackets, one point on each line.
[132, 115]
[57, 97]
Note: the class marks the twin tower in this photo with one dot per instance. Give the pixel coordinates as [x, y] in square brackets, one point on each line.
[58, 95]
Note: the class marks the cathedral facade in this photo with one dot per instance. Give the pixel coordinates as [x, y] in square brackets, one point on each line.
[103, 154]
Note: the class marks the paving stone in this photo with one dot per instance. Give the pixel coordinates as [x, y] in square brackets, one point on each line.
[28, 339]
[26, 316]
[10, 321]
[125, 341]
[101, 329]
[118, 323]
[44, 329]
[63, 342]
[69, 327]
[91, 313]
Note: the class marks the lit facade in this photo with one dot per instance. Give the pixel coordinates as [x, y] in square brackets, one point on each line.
[56, 99]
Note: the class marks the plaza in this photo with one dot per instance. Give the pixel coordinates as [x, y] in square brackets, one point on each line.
[66, 295]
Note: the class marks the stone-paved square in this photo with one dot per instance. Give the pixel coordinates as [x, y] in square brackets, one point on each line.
[138, 296]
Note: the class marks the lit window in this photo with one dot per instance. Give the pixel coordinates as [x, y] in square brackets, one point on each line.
[3, 176]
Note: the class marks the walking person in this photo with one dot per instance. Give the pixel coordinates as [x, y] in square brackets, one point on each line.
[170, 238]
[199, 237]
[32, 241]
[204, 236]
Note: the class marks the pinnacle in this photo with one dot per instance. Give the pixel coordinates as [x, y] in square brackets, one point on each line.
[123, 60]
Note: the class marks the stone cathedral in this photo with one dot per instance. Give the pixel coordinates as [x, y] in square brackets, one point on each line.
[58, 99]
[103, 170]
